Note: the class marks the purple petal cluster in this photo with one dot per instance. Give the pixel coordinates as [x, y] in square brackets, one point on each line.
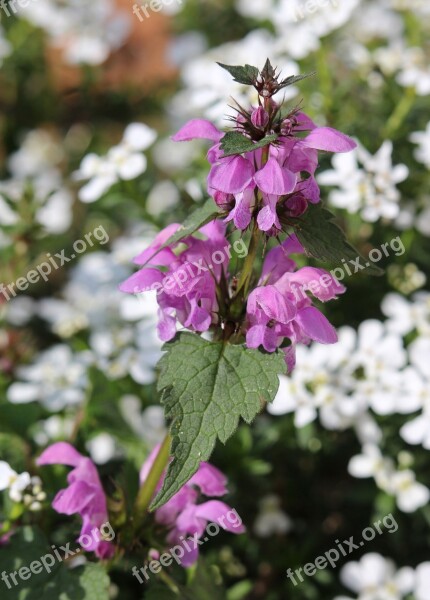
[84, 495]
[185, 282]
[279, 178]
[183, 515]
[280, 307]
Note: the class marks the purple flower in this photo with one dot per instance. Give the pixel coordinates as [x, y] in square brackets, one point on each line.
[186, 290]
[283, 181]
[84, 496]
[280, 308]
[184, 517]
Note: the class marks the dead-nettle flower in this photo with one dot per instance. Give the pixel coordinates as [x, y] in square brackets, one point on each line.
[183, 516]
[262, 178]
[266, 166]
[84, 495]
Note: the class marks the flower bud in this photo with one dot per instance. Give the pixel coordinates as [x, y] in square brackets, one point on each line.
[259, 118]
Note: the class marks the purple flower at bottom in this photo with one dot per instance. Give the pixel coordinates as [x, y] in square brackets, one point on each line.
[184, 517]
[84, 496]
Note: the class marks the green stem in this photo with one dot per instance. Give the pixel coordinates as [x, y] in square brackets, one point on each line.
[147, 490]
[399, 114]
[246, 274]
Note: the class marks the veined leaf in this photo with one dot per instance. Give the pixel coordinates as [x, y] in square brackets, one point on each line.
[324, 240]
[235, 143]
[206, 387]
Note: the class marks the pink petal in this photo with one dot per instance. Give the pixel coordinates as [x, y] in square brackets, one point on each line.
[311, 191]
[222, 514]
[260, 335]
[311, 278]
[60, 453]
[142, 281]
[73, 499]
[210, 480]
[316, 326]
[272, 302]
[198, 129]
[160, 240]
[305, 122]
[241, 213]
[268, 217]
[276, 180]
[331, 140]
[231, 175]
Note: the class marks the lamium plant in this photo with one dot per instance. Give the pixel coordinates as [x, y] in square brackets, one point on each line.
[233, 305]
[232, 319]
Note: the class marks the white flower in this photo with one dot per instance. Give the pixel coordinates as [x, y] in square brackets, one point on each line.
[102, 448]
[371, 463]
[422, 138]
[293, 396]
[417, 431]
[370, 190]
[57, 378]
[410, 495]
[149, 424]
[415, 71]
[376, 578]
[122, 162]
[11, 481]
[271, 519]
[422, 581]
[405, 315]
[86, 32]
[35, 166]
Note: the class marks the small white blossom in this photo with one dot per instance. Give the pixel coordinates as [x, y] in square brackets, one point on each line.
[370, 190]
[374, 577]
[122, 162]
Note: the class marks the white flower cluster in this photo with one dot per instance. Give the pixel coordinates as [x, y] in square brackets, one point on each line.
[122, 329]
[87, 32]
[369, 189]
[124, 161]
[369, 372]
[22, 487]
[36, 165]
[374, 577]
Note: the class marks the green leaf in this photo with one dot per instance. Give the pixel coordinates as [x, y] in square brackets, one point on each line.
[324, 240]
[235, 143]
[247, 75]
[206, 387]
[28, 545]
[294, 79]
[200, 217]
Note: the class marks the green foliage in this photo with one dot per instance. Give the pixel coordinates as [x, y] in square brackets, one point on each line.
[246, 75]
[235, 143]
[324, 240]
[28, 545]
[200, 217]
[206, 387]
